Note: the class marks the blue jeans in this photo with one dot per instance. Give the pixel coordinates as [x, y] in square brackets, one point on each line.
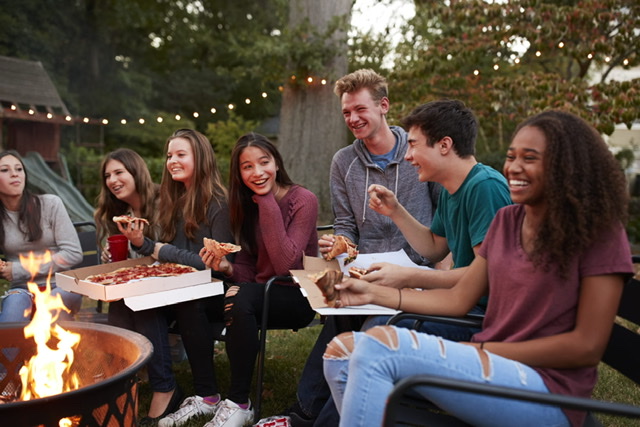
[17, 304]
[450, 332]
[314, 396]
[361, 382]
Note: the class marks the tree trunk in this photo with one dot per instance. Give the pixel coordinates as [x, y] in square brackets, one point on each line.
[311, 124]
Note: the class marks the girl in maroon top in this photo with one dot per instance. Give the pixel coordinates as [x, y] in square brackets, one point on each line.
[553, 265]
[274, 221]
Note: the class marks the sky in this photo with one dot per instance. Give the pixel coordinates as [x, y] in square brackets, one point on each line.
[375, 14]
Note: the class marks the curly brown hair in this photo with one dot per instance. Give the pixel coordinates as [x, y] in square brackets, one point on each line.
[585, 188]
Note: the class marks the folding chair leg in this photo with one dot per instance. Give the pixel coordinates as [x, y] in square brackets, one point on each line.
[257, 404]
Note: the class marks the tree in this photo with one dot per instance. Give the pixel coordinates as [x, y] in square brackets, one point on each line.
[509, 60]
[311, 126]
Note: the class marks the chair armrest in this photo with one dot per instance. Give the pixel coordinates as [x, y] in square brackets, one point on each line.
[470, 320]
[563, 401]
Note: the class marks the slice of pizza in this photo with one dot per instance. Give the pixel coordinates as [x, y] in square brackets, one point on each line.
[220, 249]
[357, 272]
[326, 281]
[343, 245]
[126, 219]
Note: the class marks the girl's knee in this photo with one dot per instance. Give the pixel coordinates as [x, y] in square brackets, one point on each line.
[340, 347]
[387, 335]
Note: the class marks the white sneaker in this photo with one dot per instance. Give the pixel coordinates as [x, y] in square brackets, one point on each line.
[191, 407]
[229, 414]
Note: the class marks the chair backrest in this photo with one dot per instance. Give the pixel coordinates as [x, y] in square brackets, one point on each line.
[623, 350]
[87, 234]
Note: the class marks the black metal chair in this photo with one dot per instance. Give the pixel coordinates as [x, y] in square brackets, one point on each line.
[405, 407]
[88, 242]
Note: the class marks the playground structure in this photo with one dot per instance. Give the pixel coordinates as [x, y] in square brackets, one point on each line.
[42, 179]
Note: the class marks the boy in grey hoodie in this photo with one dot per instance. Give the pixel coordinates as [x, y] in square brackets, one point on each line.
[375, 157]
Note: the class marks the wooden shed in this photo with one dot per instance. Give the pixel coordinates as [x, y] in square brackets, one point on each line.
[31, 110]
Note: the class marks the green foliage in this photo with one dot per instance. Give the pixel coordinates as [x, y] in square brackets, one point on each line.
[625, 157]
[223, 136]
[510, 60]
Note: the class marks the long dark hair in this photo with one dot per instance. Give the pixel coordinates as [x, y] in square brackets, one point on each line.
[109, 205]
[585, 188]
[30, 209]
[242, 209]
[190, 203]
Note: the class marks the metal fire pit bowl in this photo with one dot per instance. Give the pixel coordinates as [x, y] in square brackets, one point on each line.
[107, 360]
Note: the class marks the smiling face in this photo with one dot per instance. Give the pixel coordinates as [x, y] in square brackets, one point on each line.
[361, 114]
[524, 166]
[421, 155]
[180, 160]
[12, 177]
[119, 180]
[258, 170]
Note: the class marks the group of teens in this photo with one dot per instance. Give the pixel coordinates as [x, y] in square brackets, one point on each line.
[540, 249]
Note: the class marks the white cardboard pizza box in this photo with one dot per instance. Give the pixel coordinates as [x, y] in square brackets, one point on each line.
[73, 281]
[174, 296]
[313, 265]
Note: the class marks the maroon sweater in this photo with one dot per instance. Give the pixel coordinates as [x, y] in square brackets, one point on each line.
[286, 231]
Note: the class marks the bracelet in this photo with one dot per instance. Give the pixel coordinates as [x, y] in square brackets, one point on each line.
[399, 299]
[482, 345]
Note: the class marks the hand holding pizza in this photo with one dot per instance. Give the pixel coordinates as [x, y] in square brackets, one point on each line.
[214, 254]
[132, 228]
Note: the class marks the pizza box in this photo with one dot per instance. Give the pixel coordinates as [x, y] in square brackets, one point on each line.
[313, 265]
[174, 296]
[73, 281]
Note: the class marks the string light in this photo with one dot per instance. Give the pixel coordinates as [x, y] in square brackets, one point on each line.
[141, 121]
[213, 110]
[178, 117]
[561, 45]
[230, 106]
[31, 112]
[86, 120]
[159, 119]
[49, 116]
[68, 118]
[196, 114]
[123, 121]
[13, 107]
[247, 101]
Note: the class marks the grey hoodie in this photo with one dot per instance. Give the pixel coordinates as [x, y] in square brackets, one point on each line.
[352, 172]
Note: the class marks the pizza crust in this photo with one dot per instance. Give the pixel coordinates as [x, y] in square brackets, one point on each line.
[126, 219]
[220, 249]
[326, 281]
[357, 272]
[341, 245]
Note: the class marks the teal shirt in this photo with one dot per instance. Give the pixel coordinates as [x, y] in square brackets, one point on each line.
[463, 218]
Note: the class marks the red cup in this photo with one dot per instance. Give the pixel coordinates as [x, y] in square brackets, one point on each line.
[118, 247]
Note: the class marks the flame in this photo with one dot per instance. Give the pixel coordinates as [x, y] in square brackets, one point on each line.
[48, 372]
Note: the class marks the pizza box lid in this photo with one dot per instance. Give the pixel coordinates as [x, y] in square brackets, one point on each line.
[73, 281]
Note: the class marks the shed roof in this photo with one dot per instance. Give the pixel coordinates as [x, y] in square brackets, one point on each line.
[27, 83]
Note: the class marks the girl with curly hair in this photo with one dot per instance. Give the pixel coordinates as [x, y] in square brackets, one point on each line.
[554, 265]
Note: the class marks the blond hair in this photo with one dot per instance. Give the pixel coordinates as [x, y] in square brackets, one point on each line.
[363, 79]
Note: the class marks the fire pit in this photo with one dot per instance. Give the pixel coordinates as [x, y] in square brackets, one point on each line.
[106, 362]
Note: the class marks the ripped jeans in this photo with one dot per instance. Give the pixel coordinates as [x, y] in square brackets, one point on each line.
[17, 304]
[373, 368]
